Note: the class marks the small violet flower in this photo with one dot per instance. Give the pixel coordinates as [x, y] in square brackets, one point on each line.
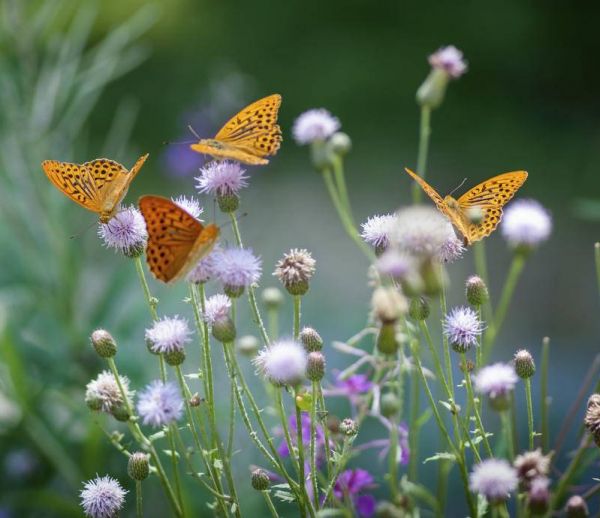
[496, 380]
[314, 125]
[350, 484]
[190, 205]
[160, 404]
[125, 232]
[216, 309]
[283, 449]
[284, 363]
[376, 230]
[493, 478]
[222, 178]
[204, 269]
[526, 223]
[450, 60]
[102, 497]
[462, 327]
[236, 268]
[170, 334]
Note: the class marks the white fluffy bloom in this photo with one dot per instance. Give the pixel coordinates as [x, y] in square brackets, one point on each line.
[103, 393]
[376, 230]
[495, 380]
[316, 124]
[160, 404]
[216, 308]
[102, 497]
[493, 478]
[168, 335]
[284, 363]
[190, 205]
[526, 223]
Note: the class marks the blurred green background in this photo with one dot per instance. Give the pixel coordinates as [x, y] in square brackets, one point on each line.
[85, 79]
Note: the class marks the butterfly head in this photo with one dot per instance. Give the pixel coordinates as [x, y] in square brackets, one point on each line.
[451, 202]
[207, 143]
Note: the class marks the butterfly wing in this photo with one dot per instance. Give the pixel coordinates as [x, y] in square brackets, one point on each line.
[249, 136]
[490, 196]
[176, 240]
[74, 181]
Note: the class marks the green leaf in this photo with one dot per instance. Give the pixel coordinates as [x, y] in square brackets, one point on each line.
[424, 417]
[482, 506]
[444, 455]
[171, 453]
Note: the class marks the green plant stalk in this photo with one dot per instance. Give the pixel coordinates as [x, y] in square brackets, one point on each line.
[439, 372]
[139, 508]
[413, 437]
[325, 431]
[565, 480]
[529, 412]
[447, 358]
[544, 394]
[175, 462]
[340, 180]
[285, 428]
[270, 505]
[300, 447]
[297, 309]
[597, 261]
[508, 433]
[481, 270]
[392, 465]
[424, 135]
[313, 443]
[339, 466]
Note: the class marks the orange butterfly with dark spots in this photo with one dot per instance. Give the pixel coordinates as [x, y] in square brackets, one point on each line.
[249, 136]
[99, 185]
[176, 239]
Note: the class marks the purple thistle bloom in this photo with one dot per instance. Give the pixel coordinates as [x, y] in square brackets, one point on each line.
[462, 327]
[168, 335]
[396, 264]
[283, 449]
[102, 497]
[216, 309]
[236, 267]
[160, 404]
[350, 484]
[494, 479]
[495, 380]
[526, 223]
[376, 230]
[204, 269]
[190, 205]
[221, 178]
[450, 60]
[313, 125]
[125, 232]
[284, 363]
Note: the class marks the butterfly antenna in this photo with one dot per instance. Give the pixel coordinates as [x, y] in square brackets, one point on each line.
[85, 229]
[172, 143]
[457, 187]
[229, 222]
[193, 131]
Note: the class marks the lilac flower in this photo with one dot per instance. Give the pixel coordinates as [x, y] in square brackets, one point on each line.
[170, 334]
[160, 404]
[216, 309]
[494, 479]
[283, 449]
[103, 393]
[495, 380]
[451, 250]
[449, 59]
[221, 178]
[190, 205]
[462, 327]
[125, 232]
[355, 384]
[204, 269]
[396, 264]
[313, 125]
[350, 484]
[236, 267]
[102, 497]
[376, 230]
[526, 223]
[284, 363]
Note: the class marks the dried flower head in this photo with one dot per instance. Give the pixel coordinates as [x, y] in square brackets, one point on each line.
[538, 498]
[103, 393]
[125, 232]
[376, 231]
[160, 404]
[526, 223]
[294, 270]
[314, 125]
[221, 178]
[576, 507]
[284, 363]
[450, 60]
[311, 340]
[315, 366]
[190, 205]
[493, 478]
[102, 497]
[170, 334]
[531, 465]
[592, 417]
[236, 268]
[462, 327]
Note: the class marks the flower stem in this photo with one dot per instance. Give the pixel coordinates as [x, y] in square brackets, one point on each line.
[597, 261]
[544, 394]
[285, 428]
[529, 412]
[393, 466]
[270, 504]
[300, 447]
[152, 301]
[340, 180]
[313, 443]
[424, 134]
[508, 433]
[447, 358]
[139, 508]
[297, 307]
[175, 462]
[413, 436]
[325, 431]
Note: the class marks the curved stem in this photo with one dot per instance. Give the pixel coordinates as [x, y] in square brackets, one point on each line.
[270, 504]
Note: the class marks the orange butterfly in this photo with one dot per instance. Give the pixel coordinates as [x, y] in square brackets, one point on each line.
[249, 136]
[485, 201]
[99, 185]
[176, 240]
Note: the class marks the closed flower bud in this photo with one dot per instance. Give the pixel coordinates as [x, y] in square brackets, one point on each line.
[233, 292]
[538, 498]
[467, 366]
[94, 402]
[224, 330]
[476, 290]
[524, 364]
[419, 309]
[576, 507]
[248, 345]
[390, 404]
[315, 366]
[260, 480]
[386, 339]
[340, 143]
[104, 343]
[195, 400]
[592, 417]
[388, 304]
[311, 340]
[138, 466]
[434, 277]
[174, 358]
[475, 215]
[120, 413]
[228, 202]
[431, 93]
[272, 298]
[349, 427]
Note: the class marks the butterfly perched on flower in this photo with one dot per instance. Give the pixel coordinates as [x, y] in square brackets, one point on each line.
[249, 136]
[99, 185]
[176, 239]
[476, 213]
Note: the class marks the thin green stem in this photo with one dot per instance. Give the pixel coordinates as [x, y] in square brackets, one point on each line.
[507, 429]
[392, 464]
[529, 412]
[175, 462]
[325, 431]
[313, 443]
[447, 358]
[544, 394]
[424, 134]
[286, 430]
[413, 437]
[482, 272]
[597, 261]
[270, 504]
[340, 180]
[300, 448]
[565, 480]
[152, 301]
[439, 372]
[297, 308]
[139, 508]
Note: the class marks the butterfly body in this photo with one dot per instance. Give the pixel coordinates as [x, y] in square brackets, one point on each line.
[249, 136]
[176, 240]
[476, 213]
[99, 185]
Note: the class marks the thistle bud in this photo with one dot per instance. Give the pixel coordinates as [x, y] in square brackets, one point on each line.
[431, 93]
[233, 292]
[103, 343]
[390, 404]
[386, 339]
[538, 498]
[315, 366]
[349, 427]
[228, 202]
[311, 340]
[467, 366]
[195, 400]
[434, 277]
[138, 466]
[592, 417]
[94, 402]
[476, 290]
[576, 507]
[174, 358]
[120, 413]
[248, 345]
[340, 143]
[419, 309]
[260, 480]
[524, 364]
[272, 298]
[224, 330]
[388, 304]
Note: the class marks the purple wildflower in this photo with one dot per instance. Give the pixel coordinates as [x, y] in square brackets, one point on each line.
[221, 178]
[160, 404]
[190, 205]
[493, 478]
[168, 335]
[236, 267]
[125, 232]
[376, 230]
[450, 60]
[283, 449]
[462, 327]
[526, 223]
[216, 309]
[350, 484]
[314, 125]
[102, 497]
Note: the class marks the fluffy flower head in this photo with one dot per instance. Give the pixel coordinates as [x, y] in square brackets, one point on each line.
[204, 269]
[495, 380]
[526, 223]
[297, 266]
[216, 309]
[396, 264]
[125, 232]
[462, 327]
[103, 392]
[236, 267]
[102, 497]
[190, 205]
[170, 334]
[376, 230]
[284, 363]
[160, 404]
[221, 178]
[315, 124]
[449, 59]
[493, 478]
